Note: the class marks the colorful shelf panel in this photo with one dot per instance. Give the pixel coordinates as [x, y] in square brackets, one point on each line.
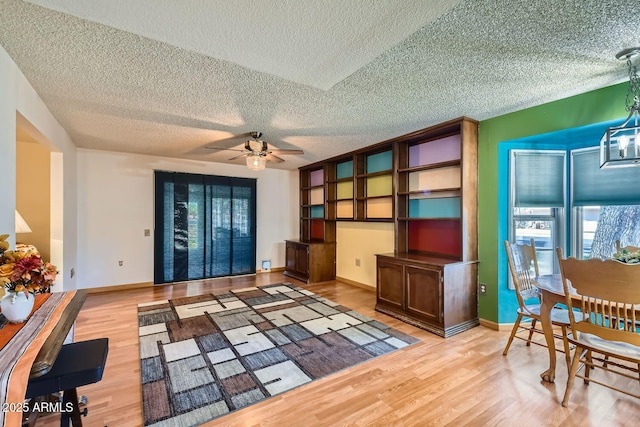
[380, 208]
[444, 207]
[435, 195]
[316, 229]
[439, 236]
[316, 177]
[344, 209]
[317, 196]
[379, 162]
[435, 179]
[344, 170]
[344, 190]
[440, 150]
[379, 186]
[317, 211]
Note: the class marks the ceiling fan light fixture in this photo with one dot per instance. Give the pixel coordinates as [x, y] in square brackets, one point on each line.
[256, 162]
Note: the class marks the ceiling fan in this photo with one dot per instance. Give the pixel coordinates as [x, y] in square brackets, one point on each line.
[258, 152]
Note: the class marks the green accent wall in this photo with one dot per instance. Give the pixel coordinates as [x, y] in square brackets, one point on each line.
[601, 105]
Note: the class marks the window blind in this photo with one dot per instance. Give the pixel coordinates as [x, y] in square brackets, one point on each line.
[593, 186]
[205, 226]
[539, 178]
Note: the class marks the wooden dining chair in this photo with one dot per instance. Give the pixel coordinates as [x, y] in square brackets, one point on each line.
[522, 263]
[628, 247]
[603, 298]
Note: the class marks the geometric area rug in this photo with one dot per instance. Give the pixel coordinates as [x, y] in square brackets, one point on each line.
[205, 356]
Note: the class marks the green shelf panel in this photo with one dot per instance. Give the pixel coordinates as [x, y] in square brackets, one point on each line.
[379, 186]
[345, 190]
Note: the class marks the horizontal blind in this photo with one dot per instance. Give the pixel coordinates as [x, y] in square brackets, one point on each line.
[539, 178]
[593, 186]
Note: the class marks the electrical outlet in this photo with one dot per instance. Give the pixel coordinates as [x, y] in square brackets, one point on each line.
[120, 263]
[483, 288]
[357, 262]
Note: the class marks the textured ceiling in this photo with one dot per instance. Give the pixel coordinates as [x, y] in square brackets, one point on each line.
[329, 76]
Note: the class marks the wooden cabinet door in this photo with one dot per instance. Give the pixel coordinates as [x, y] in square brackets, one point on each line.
[290, 256]
[390, 284]
[302, 259]
[424, 293]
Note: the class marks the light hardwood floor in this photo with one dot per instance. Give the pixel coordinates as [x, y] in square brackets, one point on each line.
[463, 380]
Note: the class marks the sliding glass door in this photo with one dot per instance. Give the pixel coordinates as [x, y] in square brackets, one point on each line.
[205, 226]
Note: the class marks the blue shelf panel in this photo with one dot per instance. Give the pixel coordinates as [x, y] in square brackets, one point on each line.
[317, 211]
[344, 170]
[446, 207]
[379, 162]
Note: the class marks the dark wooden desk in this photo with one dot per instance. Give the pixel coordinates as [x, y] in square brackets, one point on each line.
[33, 350]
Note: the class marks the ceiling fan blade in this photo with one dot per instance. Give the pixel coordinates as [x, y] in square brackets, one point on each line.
[230, 141]
[241, 155]
[276, 151]
[273, 158]
[224, 149]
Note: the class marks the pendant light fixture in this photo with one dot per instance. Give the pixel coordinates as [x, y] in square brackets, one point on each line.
[620, 145]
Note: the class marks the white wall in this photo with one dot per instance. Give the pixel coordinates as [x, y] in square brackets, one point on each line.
[115, 206]
[19, 101]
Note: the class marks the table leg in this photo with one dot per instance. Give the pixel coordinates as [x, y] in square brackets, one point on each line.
[548, 301]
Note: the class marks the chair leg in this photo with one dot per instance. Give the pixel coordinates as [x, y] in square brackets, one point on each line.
[513, 334]
[70, 396]
[533, 326]
[575, 364]
[588, 366]
[567, 350]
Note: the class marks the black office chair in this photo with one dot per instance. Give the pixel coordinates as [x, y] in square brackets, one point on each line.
[77, 364]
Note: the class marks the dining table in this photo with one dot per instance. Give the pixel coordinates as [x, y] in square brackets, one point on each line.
[552, 293]
[29, 350]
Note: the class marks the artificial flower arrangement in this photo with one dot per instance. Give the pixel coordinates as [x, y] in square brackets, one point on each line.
[24, 271]
[627, 257]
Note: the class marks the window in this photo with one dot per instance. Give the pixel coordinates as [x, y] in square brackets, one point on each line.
[606, 205]
[537, 203]
[205, 226]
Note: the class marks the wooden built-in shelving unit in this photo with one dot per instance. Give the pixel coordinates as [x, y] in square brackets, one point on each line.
[425, 183]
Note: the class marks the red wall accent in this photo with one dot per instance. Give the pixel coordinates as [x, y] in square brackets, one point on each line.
[441, 236]
[317, 229]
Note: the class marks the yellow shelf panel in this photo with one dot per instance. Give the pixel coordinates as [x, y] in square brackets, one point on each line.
[345, 190]
[379, 186]
[380, 208]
